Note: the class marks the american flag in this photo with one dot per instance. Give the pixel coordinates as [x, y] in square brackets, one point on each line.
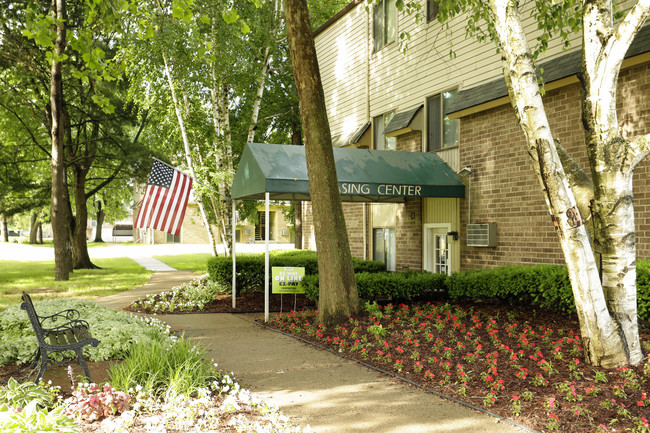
[165, 200]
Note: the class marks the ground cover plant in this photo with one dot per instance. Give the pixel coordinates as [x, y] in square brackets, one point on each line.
[191, 296]
[117, 331]
[522, 365]
[163, 383]
[37, 278]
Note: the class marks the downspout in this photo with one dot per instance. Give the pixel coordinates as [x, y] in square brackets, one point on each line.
[366, 246]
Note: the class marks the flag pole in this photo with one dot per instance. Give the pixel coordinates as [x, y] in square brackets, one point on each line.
[193, 178]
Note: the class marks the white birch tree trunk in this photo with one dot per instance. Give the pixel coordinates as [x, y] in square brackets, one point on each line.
[600, 335]
[186, 145]
[613, 160]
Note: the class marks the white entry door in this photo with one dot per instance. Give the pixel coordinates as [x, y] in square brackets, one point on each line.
[437, 257]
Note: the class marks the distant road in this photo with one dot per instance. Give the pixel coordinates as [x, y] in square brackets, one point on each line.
[22, 252]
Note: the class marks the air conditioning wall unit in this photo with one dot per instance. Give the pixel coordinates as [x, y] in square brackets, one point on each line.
[482, 235]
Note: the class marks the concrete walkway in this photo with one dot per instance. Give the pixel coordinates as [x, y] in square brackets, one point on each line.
[311, 386]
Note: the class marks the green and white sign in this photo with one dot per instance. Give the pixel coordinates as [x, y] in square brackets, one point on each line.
[288, 280]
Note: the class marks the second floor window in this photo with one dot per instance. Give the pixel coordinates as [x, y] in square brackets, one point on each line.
[442, 131]
[379, 124]
[384, 23]
[433, 6]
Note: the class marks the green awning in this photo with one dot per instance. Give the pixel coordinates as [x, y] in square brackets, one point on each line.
[364, 175]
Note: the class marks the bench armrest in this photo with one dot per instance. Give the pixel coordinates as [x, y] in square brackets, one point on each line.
[72, 324]
[66, 315]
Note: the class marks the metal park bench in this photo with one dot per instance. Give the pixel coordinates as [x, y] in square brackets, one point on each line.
[72, 335]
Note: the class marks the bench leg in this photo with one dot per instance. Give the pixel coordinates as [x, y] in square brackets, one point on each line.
[43, 367]
[82, 362]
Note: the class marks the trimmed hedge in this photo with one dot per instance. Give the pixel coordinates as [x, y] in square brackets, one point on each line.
[643, 290]
[402, 286]
[545, 286]
[250, 267]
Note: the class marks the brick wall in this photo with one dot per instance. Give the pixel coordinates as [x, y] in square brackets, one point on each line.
[504, 188]
[354, 217]
[409, 142]
[408, 235]
[353, 213]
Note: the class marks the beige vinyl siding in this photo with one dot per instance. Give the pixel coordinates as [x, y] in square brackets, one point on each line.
[400, 81]
[342, 52]
[383, 214]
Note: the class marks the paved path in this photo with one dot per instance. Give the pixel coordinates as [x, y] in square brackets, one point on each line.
[311, 386]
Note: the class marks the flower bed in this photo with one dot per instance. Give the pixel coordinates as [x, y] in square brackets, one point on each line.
[524, 366]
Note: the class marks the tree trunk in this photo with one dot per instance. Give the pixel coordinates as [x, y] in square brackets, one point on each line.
[4, 227]
[297, 224]
[186, 144]
[601, 339]
[80, 256]
[100, 222]
[60, 224]
[338, 297]
[296, 140]
[33, 227]
[613, 160]
[39, 237]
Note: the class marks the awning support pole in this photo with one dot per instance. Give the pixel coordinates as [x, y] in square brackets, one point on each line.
[266, 258]
[234, 254]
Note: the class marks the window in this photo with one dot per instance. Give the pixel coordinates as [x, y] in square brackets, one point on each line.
[433, 6]
[381, 142]
[384, 247]
[384, 19]
[442, 131]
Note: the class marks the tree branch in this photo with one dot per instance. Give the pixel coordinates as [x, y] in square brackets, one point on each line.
[617, 46]
[581, 184]
[641, 149]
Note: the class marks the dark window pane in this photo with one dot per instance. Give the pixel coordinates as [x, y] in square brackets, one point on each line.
[434, 113]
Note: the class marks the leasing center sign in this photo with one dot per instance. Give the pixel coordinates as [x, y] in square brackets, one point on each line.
[381, 189]
[288, 280]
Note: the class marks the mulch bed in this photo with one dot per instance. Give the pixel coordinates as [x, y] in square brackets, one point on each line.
[250, 302]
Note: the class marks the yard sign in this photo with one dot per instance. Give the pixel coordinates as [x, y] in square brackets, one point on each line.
[287, 280]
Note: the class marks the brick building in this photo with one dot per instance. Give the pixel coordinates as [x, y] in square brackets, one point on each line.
[423, 101]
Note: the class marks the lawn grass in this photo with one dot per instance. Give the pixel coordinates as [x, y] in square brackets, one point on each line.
[197, 262]
[37, 278]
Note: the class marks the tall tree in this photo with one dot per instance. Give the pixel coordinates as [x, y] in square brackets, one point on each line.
[338, 297]
[606, 306]
[59, 205]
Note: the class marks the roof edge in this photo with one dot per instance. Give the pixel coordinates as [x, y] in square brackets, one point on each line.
[336, 17]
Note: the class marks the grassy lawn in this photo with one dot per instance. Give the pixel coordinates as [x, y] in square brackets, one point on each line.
[187, 262]
[37, 278]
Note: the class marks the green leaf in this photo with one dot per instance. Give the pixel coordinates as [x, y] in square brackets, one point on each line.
[245, 28]
[230, 16]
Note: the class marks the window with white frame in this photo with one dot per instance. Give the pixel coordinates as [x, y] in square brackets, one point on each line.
[442, 132]
[384, 27]
[381, 142]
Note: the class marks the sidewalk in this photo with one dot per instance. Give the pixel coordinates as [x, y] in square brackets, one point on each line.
[311, 386]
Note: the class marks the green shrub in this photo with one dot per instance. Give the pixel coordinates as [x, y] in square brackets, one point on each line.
[401, 286]
[250, 267]
[643, 289]
[546, 286]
